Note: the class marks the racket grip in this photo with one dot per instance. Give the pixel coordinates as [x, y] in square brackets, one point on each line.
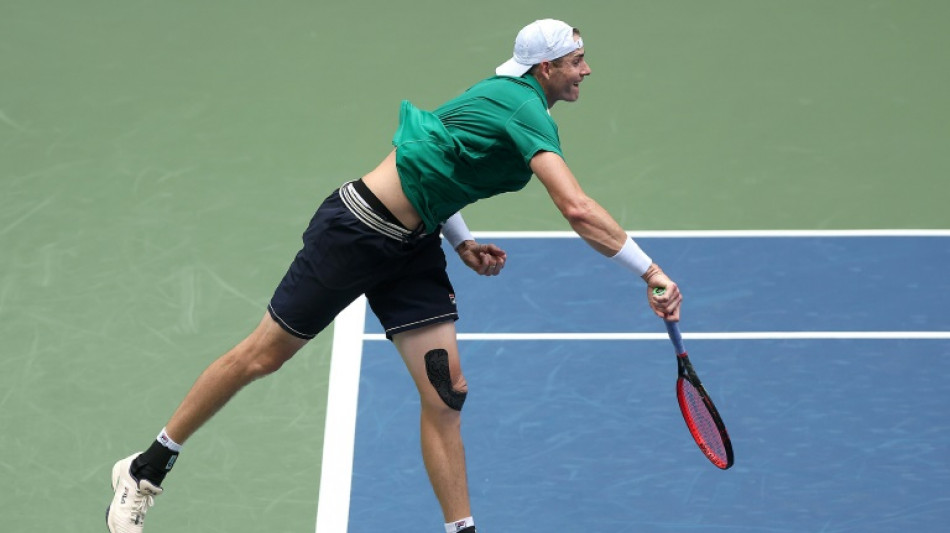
[673, 329]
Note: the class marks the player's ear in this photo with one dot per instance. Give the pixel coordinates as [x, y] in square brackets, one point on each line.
[544, 69]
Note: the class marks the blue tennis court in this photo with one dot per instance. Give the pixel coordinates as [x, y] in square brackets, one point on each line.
[825, 352]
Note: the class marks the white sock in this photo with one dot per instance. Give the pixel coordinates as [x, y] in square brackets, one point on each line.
[458, 525]
[167, 442]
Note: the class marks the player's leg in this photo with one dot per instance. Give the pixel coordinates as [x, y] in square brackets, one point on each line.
[301, 307]
[136, 479]
[431, 355]
[416, 306]
[324, 277]
[263, 352]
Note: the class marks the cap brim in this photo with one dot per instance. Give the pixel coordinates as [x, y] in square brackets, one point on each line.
[512, 68]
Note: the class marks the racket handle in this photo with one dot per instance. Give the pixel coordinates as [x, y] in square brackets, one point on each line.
[674, 331]
[672, 328]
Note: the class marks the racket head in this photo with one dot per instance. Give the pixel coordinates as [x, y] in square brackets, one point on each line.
[701, 417]
[699, 412]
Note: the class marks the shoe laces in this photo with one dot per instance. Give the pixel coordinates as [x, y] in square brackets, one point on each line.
[143, 499]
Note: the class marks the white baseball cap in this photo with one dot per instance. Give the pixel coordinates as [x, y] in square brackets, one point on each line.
[542, 40]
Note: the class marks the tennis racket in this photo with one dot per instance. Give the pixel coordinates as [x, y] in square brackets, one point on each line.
[699, 412]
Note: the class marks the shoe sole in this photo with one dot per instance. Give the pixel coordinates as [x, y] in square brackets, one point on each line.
[115, 481]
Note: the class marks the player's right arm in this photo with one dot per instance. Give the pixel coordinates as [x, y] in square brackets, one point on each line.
[586, 217]
[602, 232]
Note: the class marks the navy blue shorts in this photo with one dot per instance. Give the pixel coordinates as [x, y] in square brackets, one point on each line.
[354, 246]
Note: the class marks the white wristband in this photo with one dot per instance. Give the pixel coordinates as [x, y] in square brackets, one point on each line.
[633, 258]
[456, 231]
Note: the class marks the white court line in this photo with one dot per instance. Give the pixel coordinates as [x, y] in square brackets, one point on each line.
[711, 234]
[336, 471]
[333, 506]
[737, 335]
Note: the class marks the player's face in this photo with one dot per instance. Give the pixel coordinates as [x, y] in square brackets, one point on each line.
[566, 77]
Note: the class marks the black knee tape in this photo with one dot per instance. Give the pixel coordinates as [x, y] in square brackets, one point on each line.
[437, 368]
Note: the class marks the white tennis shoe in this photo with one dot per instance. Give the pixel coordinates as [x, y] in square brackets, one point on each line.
[133, 498]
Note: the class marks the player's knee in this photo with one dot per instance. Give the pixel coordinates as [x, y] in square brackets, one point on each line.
[256, 361]
[268, 363]
[451, 389]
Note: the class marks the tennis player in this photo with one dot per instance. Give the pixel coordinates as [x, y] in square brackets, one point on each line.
[380, 236]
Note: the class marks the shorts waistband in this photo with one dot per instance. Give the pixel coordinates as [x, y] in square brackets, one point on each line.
[374, 202]
[366, 206]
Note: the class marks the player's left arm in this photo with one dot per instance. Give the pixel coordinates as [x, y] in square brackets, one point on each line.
[602, 232]
[485, 259]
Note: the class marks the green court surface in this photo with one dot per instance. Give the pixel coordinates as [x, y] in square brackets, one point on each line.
[160, 159]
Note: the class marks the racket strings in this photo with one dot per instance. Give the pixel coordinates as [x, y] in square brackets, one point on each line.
[702, 423]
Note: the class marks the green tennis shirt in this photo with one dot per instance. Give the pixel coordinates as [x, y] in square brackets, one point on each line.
[474, 146]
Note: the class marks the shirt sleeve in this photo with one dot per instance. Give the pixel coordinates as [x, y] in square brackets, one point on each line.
[532, 130]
